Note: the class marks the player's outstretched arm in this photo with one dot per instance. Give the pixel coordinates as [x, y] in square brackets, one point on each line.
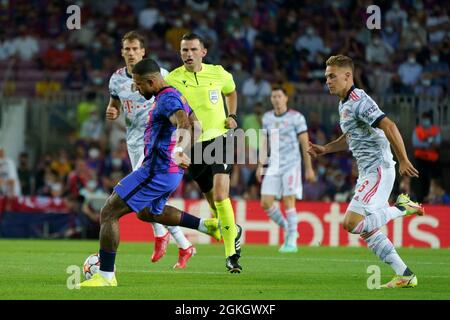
[303, 138]
[340, 144]
[113, 109]
[395, 139]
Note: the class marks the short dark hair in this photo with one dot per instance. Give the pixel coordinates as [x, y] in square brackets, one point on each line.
[193, 36]
[133, 35]
[146, 66]
[341, 61]
[276, 88]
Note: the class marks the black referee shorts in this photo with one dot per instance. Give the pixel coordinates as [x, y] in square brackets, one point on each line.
[217, 156]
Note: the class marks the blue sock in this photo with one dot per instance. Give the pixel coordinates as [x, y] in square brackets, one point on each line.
[107, 260]
[189, 221]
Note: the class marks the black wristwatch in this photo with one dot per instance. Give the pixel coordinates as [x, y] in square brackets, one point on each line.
[233, 116]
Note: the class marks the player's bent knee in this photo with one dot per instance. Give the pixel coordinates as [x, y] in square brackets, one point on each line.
[145, 215]
[266, 204]
[351, 220]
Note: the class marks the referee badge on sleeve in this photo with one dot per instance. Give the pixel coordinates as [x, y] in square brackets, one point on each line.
[213, 96]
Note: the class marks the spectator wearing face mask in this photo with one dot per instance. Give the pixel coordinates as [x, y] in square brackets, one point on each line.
[410, 72]
[413, 35]
[378, 51]
[438, 69]
[92, 127]
[115, 168]
[390, 35]
[396, 15]
[426, 142]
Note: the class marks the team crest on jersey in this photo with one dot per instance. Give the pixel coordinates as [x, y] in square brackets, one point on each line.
[344, 114]
[213, 96]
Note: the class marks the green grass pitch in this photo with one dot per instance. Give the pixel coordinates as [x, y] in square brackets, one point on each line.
[36, 269]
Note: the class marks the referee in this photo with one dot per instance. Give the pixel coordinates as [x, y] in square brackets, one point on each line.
[203, 85]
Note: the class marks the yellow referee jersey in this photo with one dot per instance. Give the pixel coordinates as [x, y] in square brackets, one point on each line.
[203, 91]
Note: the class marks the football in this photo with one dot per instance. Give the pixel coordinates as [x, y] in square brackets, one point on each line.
[91, 265]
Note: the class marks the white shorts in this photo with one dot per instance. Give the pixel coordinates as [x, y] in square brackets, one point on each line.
[136, 155]
[372, 191]
[289, 183]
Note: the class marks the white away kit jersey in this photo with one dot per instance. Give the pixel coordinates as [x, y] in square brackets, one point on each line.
[359, 116]
[133, 103]
[284, 129]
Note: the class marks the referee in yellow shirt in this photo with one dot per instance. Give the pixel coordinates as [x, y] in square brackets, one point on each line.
[203, 85]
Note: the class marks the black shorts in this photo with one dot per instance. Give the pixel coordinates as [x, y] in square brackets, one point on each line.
[218, 158]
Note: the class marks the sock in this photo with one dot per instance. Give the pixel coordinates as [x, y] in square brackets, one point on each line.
[377, 220]
[107, 260]
[214, 212]
[384, 249]
[292, 220]
[276, 216]
[159, 229]
[202, 227]
[179, 237]
[189, 221]
[227, 225]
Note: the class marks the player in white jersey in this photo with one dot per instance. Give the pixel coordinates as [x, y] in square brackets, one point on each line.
[368, 133]
[136, 108]
[283, 172]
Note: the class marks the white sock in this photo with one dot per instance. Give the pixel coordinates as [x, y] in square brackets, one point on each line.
[201, 226]
[180, 238]
[377, 219]
[275, 214]
[107, 275]
[158, 229]
[385, 250]
[292, 220]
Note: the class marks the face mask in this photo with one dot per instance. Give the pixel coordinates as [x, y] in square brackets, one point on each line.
[94, 153]
[326, 50]
[310, 31]
[415, 25]
[426, 123]
[434, 58]
[389, 29]
[56, 187]
[426, 82]
[186, 17]
[97, 80]
[178, 23]
[376, 41]
[237, 66]
[60, 46]
[117, 162]
[92, 184]
[321, 170]
[412, 60]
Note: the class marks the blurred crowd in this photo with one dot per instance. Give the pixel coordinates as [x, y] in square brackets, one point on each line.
[262, 43]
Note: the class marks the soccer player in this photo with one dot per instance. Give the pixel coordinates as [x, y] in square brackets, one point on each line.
[136, 110]
[203, 85]
[369, 133]
[283, 177]
[147, 189]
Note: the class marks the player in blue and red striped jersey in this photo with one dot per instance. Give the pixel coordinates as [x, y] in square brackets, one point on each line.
[135, 108]
[147, 189]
